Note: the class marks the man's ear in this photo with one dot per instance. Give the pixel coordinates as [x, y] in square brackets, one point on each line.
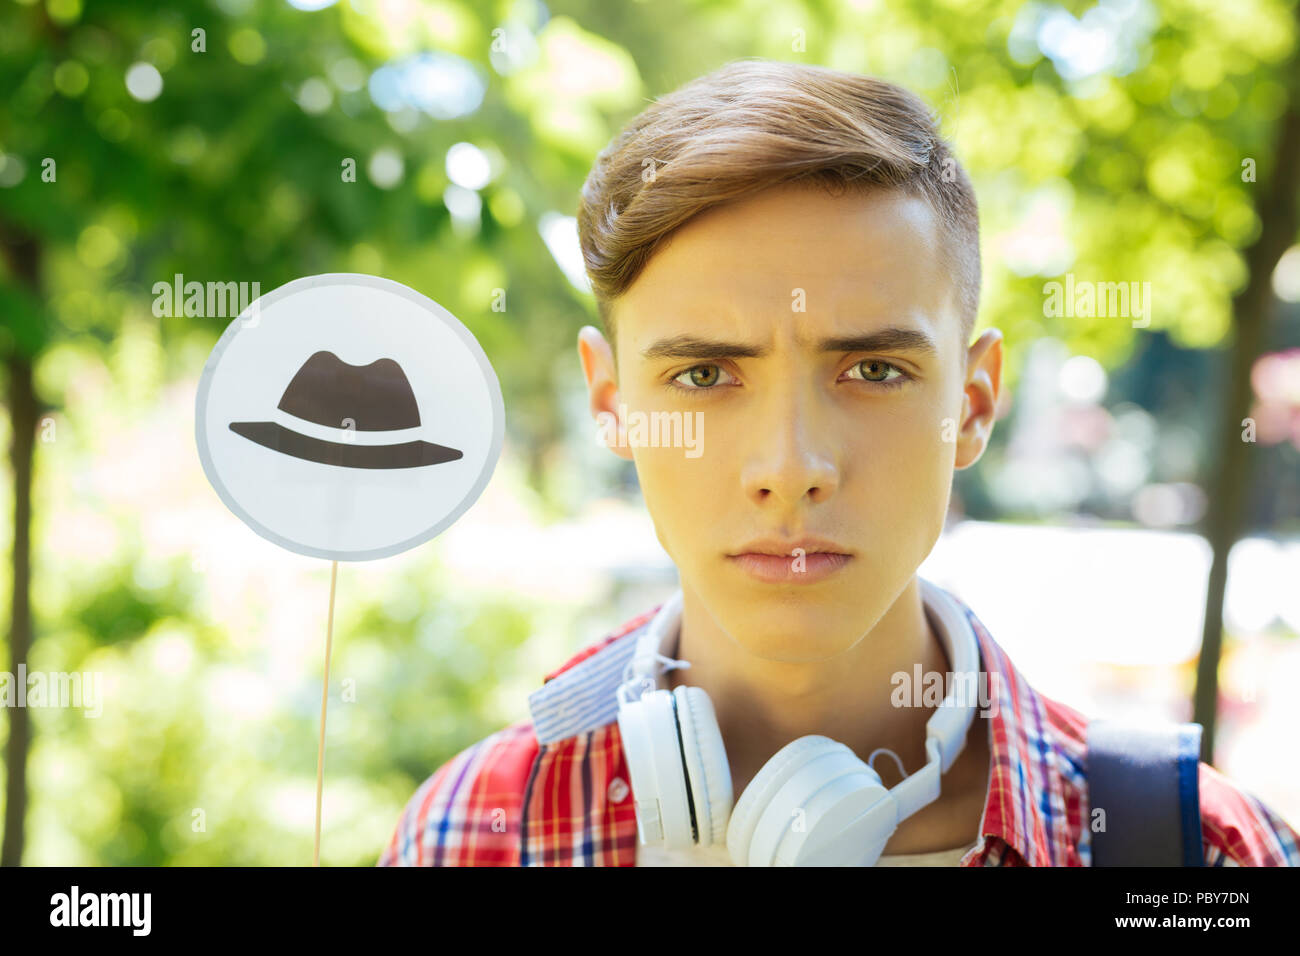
[980, 399]
[602, 387]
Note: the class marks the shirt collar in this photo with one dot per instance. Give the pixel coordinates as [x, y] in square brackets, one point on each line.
[1025, 803]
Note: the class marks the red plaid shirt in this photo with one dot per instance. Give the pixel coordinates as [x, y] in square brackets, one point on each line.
[554, 790]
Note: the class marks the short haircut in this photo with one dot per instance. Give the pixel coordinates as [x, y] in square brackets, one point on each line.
[754, 124]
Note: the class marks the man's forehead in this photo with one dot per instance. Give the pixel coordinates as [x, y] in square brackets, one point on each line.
[769, 316]
[770, 248]
[795, 263]
[800, 229]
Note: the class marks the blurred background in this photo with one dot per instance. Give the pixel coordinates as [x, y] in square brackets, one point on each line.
[1131, 537]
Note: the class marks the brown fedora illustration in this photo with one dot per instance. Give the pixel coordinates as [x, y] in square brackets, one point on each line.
[330, 393]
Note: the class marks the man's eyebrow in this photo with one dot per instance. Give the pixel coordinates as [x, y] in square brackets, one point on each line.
[892, 339]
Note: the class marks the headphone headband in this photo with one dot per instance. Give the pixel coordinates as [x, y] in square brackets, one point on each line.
[653, 641]
[950, 723]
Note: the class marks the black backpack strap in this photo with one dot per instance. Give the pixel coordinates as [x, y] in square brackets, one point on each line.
[1146, 779]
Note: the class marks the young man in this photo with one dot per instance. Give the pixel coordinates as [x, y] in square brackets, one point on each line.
[789, 256]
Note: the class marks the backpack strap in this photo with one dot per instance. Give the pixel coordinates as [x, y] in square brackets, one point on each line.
[1145, 777]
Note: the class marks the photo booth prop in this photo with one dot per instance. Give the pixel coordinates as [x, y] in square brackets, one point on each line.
[347, 417]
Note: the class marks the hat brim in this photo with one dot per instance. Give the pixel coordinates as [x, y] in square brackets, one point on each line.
[411, 454]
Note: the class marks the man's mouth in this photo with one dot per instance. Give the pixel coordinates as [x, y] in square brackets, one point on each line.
[796, 561]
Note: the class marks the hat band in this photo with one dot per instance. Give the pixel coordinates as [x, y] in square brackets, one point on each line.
[349, 436]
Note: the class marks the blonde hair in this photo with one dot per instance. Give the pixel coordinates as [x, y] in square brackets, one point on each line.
[754, 124]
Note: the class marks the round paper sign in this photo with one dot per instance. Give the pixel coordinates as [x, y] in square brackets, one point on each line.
[346, 416]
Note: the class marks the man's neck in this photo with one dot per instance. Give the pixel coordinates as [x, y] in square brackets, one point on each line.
[762, 705]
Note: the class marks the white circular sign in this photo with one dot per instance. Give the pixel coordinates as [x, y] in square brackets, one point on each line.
[346, 416]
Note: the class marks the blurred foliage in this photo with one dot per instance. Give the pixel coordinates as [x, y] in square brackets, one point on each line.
[1131, 168]
[117, 609]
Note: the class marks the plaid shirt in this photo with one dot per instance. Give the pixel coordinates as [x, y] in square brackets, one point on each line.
[553, 790]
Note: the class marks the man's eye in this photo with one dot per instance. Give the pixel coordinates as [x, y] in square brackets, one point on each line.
[874, 370]
[702, 376]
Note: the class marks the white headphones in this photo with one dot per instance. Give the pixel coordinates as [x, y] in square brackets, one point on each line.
[814, 803]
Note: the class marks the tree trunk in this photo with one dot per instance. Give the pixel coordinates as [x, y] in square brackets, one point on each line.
[23, 411]
[1232, 459]
[22, 253]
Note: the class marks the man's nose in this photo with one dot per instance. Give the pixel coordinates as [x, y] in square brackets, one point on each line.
[793, 458]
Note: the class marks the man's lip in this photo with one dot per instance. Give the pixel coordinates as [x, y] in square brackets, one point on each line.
[780, 548]
[784, 569]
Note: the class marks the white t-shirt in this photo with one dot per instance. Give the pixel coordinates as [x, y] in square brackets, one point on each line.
[718, 856]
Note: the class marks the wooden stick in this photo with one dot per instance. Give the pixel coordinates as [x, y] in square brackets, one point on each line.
[324, 698]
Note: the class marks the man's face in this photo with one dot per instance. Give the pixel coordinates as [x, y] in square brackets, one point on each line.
[818, 339]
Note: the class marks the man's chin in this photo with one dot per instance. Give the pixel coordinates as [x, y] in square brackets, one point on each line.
[797, 627]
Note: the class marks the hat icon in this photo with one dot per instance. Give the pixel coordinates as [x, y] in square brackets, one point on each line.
[326, 394]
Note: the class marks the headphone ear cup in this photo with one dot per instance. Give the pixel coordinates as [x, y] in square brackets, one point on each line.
[708, 772]
[758, 795]
[650, 739]
[830, 809]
